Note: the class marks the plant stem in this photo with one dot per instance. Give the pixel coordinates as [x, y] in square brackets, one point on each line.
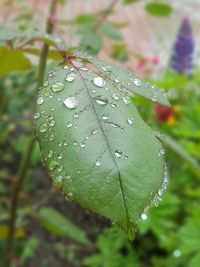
[25, 161]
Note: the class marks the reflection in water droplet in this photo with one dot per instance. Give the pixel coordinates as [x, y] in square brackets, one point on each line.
[125, 157]
[98, 81]
[70, 77]
[130, 121]
[177, 253]
[36, 115]
[101, 100]
[40, 100]
[57, 87]
[71, 102]
[51, 73]
[118, 153]
[70, 194]
[43, 127]
[65, 143]
[98, 162]
[58, 181]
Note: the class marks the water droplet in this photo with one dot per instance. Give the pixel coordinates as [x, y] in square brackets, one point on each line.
[76, 115]
[60, 168]
[137, 82]
[65, 67]
[98, 162]
[105, 117]
[126, 100]
[98, 81]
[50, 154]
[36, 115]
[106, 69]
[113, 105]
[68, 175]
[101, 100]
[75, 143]
[161, 152]
[71, 102]
[43, 127]
[94, 131]
[144, 216]
[58, 181]
[52, 123]
[51, 73]
[177, 253]
[65, 143]
[46, 83]
[51, 138]
[115, 96]
[40, 100]
[70, 77]
[118, 153]
[69, 124]
[130, 121]
[58, 86]
[125, 157]
[53, 164]
[82, 144]
[59, 156]
[70, 194]
[78, 171]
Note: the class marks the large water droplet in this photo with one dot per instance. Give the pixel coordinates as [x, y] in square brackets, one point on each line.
[101, 100]
[40, 100]
[104, 117]
[98, 81]
[71, 102]
[70, 77]
[43, 127]
[58, 86]
[118, 153]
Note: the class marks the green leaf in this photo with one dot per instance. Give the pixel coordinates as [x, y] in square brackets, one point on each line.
[127, 80]
[127, 2]
[158, 9]
[97, 148]
[57, 224]
[12, 61]
[119, 52]
[91, 43]
[111, 31]
[181, 152]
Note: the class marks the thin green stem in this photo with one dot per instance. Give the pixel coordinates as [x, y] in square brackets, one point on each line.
[25, 161]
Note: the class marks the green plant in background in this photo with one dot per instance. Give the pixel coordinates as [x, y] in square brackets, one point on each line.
[88, 129]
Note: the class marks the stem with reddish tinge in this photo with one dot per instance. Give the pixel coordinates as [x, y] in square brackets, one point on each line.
[23, 167]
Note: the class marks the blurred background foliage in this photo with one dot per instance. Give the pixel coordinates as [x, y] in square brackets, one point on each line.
[53, 232]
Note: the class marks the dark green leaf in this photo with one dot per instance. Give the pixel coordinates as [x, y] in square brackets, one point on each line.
[91, 43]
[57, 224]
[94, 143]
[158, 9]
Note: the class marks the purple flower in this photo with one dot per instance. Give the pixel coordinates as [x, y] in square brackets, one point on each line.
[182, 58]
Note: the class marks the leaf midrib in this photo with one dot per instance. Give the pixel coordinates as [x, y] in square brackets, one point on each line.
[107, 143]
